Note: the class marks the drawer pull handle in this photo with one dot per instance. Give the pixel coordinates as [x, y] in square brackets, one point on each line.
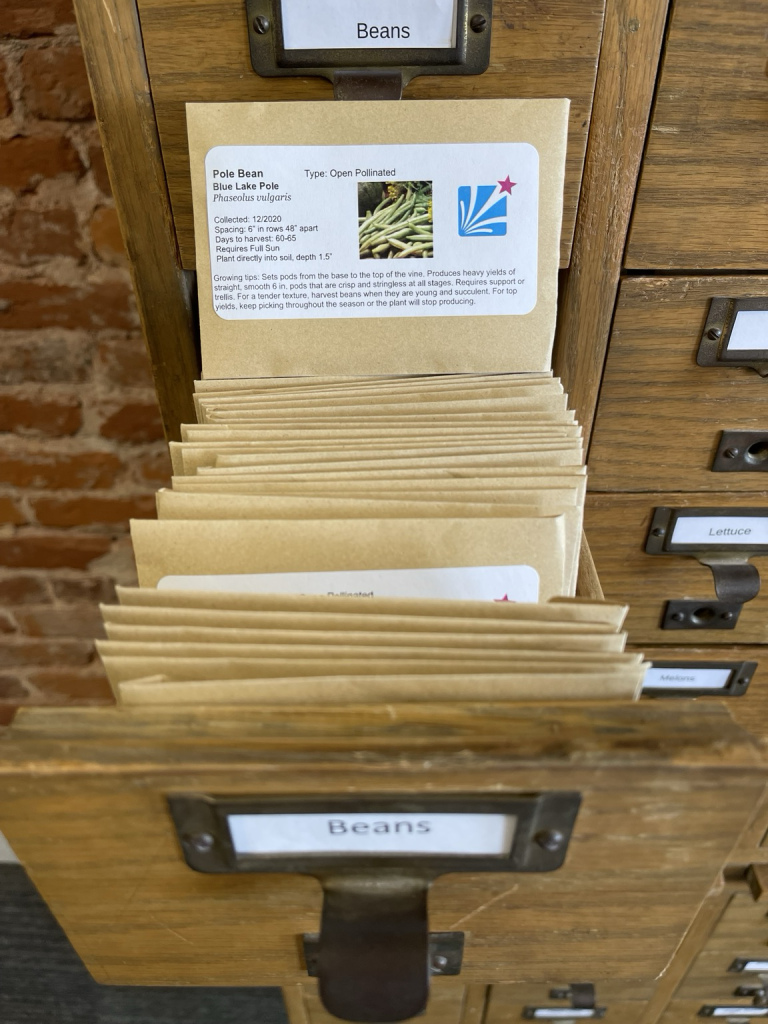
[374, 955]
[741, 451]
[583, 1006]
[757, 993]
[724, 539]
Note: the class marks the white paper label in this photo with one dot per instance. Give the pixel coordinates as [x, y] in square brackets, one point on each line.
[368, 24]
[749, 332]
[686, 679]
[472, 583]
[372, 833]
[715, 530]
[7, 856]
[739, 1011]
[560, 1013]
[287, 240]
[755, 965]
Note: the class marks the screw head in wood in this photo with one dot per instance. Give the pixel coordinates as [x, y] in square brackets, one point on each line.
[261, 25]
[550, 839]
[478, 23]
[730, 453]
[658, 531]
[203, 842]
[714, 333]
[677, 617]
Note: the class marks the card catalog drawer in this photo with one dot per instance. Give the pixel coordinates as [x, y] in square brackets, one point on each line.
[750, 709]
[701, 200]
[618, 528]
[199, 53]
[614, 1001]
[741, 934]
[661, 415]
[687, 1011]
[634, 875]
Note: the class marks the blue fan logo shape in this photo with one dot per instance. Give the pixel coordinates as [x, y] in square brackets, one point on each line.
[483, 217]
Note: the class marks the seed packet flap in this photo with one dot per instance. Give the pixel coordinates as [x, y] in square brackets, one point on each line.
[376, 237]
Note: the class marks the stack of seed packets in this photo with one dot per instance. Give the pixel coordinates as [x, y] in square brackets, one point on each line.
[468, 487]
[170, 647]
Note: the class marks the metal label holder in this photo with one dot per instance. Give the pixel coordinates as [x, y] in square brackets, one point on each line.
[749, 964]
[368, 74]
[713, 347]
[373, 953]
[736, 579]
[740, 677]
[733, 1013]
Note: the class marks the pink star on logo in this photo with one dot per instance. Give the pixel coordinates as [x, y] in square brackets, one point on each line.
[507, 185]
[498, 600]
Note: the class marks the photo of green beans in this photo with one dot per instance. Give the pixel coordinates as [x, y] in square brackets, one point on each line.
[395, 219]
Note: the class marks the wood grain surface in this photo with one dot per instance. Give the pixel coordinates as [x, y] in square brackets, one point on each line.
[199, 53]
[660, 415]
[87, 817]
[111, 39]
[750, 711]
[697, 733]
[702, 201]
[627, 71]
[617, 529]
[698, 933]
[587, 580]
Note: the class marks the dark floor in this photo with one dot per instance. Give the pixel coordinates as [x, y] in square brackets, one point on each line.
[42, 980]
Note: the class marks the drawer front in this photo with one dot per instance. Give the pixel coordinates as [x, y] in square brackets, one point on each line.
[741, 932]
[660, 414]
[749, 710]
[647, 844]
[702, 197]
[617, 528]
[199, 53]
[623, 1002]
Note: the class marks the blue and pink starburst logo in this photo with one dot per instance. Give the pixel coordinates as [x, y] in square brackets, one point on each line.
[483, 209]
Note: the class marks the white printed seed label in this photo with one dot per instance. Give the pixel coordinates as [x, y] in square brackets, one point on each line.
[372, 833]
[739, 1011]
[375, 24]
[561, 1013]
[686, 679]
[749, 332]
[480, 583]
[715, 530]
[305, 232]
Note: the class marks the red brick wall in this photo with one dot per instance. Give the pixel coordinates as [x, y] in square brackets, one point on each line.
[81, 445]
